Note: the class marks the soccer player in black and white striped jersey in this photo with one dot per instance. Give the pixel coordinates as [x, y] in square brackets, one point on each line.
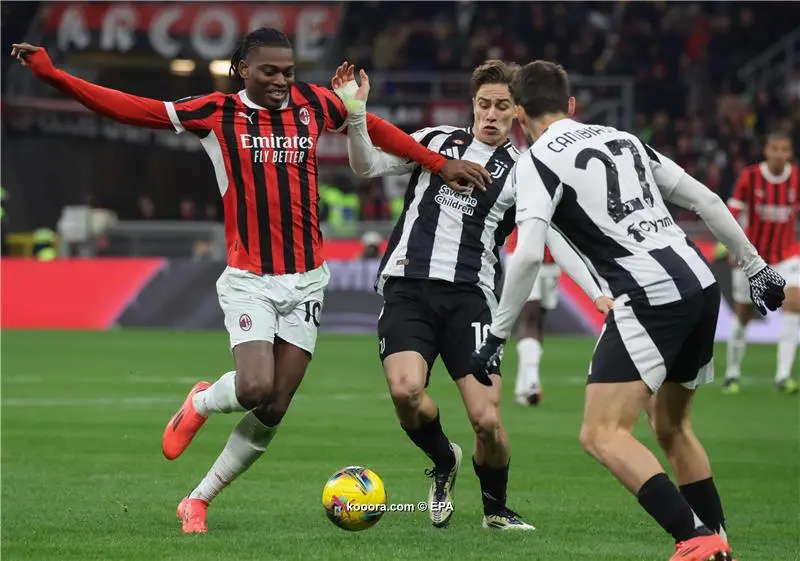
[439, 278]
[604, 190]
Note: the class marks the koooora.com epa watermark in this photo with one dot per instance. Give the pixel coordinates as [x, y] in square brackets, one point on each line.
[422, 506]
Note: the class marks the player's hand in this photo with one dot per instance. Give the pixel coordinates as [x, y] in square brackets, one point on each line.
[353, 95]
[766, 290]
[487, 358]
[604, 304]
[462, 176]
[22, 50]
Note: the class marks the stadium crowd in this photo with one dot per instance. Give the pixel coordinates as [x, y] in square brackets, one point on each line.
[684, 57]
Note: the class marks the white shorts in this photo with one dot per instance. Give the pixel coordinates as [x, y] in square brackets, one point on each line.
[789, 269]
[545, 289]
[261, 307]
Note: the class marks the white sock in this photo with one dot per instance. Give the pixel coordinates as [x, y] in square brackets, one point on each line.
[530, 354]
[736, 347]
[787, 345]
[246, 444]
[219, 398]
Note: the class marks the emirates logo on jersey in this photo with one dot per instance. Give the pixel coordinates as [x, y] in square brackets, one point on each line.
[305, 116]
[276, 149]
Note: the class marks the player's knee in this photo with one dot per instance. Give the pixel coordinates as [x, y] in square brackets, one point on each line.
[485, 422]
[667, 433]
[406, 394]
[271, 414]
[596, 439]
[530, 322]
[253, 388]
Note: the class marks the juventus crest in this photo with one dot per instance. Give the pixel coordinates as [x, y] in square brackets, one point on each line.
[499, 169]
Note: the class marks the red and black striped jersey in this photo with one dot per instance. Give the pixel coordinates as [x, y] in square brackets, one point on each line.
[266, 169]
[264, 159]
[768, 206]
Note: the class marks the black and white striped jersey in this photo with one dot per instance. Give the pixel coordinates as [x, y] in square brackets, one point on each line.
[604, 190]
[450, 236]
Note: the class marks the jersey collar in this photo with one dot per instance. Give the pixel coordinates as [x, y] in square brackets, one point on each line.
[772, 178]
[252, 105]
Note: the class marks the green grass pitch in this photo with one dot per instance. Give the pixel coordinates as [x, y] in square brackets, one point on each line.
[83, 477]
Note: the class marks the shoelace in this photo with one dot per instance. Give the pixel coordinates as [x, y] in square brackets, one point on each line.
[440, 478]
[510, 515]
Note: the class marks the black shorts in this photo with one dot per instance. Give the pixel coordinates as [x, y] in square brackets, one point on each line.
[433, 318]
[657, 344]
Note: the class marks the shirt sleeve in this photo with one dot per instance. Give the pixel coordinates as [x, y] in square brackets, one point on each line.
[333, 109]
[193, 113]
[522, 270]
[538, 189]
[691, 194]
[666, 172]
[366, 160]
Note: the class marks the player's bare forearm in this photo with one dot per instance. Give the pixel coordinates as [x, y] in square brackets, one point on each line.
[117, 105]
[394, 141]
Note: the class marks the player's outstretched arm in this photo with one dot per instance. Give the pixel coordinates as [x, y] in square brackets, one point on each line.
[680, 188]
[120, 106]
[366, 160]
[393, 141]
[576, 268]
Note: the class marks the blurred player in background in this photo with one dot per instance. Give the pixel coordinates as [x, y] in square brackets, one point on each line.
[438, 279]
[766, 200]
[530, 331]
[604, 190]
[262, 144]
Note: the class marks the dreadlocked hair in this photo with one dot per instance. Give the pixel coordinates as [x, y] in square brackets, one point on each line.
[262, 37]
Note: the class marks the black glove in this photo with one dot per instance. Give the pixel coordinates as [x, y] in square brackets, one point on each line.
[766, 290]
[487, 358]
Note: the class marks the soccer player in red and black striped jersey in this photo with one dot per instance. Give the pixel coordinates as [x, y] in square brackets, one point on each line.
[262, 144]
[766, 199]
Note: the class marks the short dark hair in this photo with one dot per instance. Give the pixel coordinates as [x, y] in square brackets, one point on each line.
[779, 134]
[492, 72]
[262, 37]
[541, 87]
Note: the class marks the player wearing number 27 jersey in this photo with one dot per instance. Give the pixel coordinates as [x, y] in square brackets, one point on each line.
[605, 191]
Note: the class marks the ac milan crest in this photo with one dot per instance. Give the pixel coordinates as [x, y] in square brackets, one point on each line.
[245, 323]
[305, 116]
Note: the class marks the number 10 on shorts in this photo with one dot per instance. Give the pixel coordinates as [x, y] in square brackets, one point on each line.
[481, 332]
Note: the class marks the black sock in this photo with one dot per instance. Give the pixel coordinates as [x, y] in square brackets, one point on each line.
[494, 482]
[430, 439]
[704, 499]
[661, 499]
